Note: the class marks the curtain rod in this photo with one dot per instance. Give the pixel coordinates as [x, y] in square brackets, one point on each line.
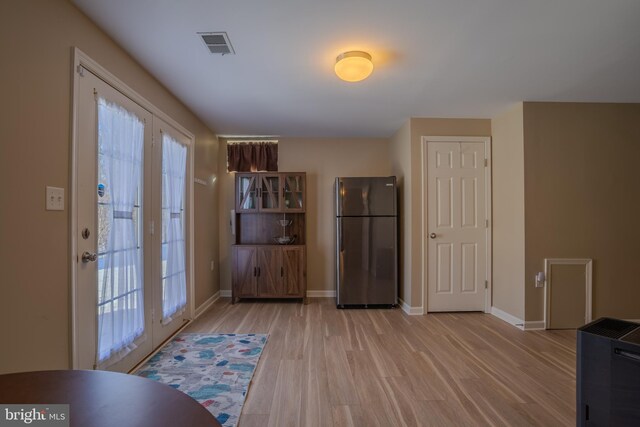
[251, 141]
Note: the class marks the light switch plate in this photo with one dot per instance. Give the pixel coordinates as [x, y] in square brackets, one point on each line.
[55, 199]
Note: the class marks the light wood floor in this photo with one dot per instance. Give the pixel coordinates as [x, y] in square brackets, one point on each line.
[322, 367]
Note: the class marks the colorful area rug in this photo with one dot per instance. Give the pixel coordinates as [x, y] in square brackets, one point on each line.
[214, 369]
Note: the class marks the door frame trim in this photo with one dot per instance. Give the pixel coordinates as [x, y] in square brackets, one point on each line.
[588, 270]
[486, 140]
[81, 60]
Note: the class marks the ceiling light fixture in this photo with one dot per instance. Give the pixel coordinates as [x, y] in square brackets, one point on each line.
[353, 66]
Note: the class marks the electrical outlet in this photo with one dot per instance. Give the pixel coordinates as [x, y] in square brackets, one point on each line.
[55, 199]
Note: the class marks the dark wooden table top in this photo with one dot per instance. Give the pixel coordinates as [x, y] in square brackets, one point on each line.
[106, 399]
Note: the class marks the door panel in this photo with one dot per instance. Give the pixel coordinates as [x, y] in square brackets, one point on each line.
[269, 271]
[294, 192]
[269, 193]
[469, 202]
[167, 265]
[469, 268]
[292, 270]
[456, 226]
[95, 215]
[444, 205]
[245, 272]
[444, 267]
[247, 193]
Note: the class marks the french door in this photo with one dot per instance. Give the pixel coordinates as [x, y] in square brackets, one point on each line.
[131, 275]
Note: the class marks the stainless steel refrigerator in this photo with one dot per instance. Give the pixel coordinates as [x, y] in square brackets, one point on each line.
[366, 242]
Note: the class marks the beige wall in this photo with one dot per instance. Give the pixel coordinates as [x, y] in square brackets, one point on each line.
[323, 159]
[508, 211]
[581, 199]
[430, 127]
[36, 37]
[400, 156]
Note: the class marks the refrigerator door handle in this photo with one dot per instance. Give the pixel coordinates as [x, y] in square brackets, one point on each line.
[339, 198]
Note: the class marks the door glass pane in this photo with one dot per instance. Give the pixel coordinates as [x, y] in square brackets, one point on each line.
[293, 191]
[270, 192]
[120, 271]
[174, 280]
[248, 195]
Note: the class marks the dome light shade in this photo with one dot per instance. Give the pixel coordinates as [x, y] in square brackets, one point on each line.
[353, 66]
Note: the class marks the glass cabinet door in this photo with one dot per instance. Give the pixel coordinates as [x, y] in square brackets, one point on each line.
[294, 192]
[247, 191]
[270, 193]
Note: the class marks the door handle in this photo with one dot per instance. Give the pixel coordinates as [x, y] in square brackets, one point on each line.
[255, 270]
[258, 271]
[281, 271]
[432, 235]
[89, 257]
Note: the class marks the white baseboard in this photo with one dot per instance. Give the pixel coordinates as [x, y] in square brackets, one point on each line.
[534, 325]
[321, 294]
[226, 293]
[530, 325]
[205, 305]
[411, 311]
[503, 315]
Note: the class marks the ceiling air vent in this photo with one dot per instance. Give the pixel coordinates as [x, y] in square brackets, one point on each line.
[217, 43]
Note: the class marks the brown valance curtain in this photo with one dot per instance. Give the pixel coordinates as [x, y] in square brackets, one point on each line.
[252, 157]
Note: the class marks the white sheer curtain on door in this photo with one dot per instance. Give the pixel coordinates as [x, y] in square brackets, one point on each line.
[174, 281]
[120, 269]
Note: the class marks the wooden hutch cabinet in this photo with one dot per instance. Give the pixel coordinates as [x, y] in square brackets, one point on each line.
[269, 254]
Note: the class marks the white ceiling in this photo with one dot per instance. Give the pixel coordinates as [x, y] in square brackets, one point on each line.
[433, 58]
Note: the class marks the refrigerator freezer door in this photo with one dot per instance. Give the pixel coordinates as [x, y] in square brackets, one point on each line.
[366, 196]
[367, 269]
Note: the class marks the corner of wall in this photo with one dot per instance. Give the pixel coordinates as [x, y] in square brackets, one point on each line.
[225, 204]
[400, 155]
[508, 213]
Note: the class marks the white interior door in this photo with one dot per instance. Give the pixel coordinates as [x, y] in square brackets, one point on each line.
[113, 290]
[456, 226]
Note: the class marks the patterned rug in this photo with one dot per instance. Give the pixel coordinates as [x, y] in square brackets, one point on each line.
[214, 369]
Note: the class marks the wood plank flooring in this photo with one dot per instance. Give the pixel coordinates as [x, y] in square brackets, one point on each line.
[328, 367]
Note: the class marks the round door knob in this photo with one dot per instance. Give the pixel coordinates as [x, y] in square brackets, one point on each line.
[89, 257]
[432, 235]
